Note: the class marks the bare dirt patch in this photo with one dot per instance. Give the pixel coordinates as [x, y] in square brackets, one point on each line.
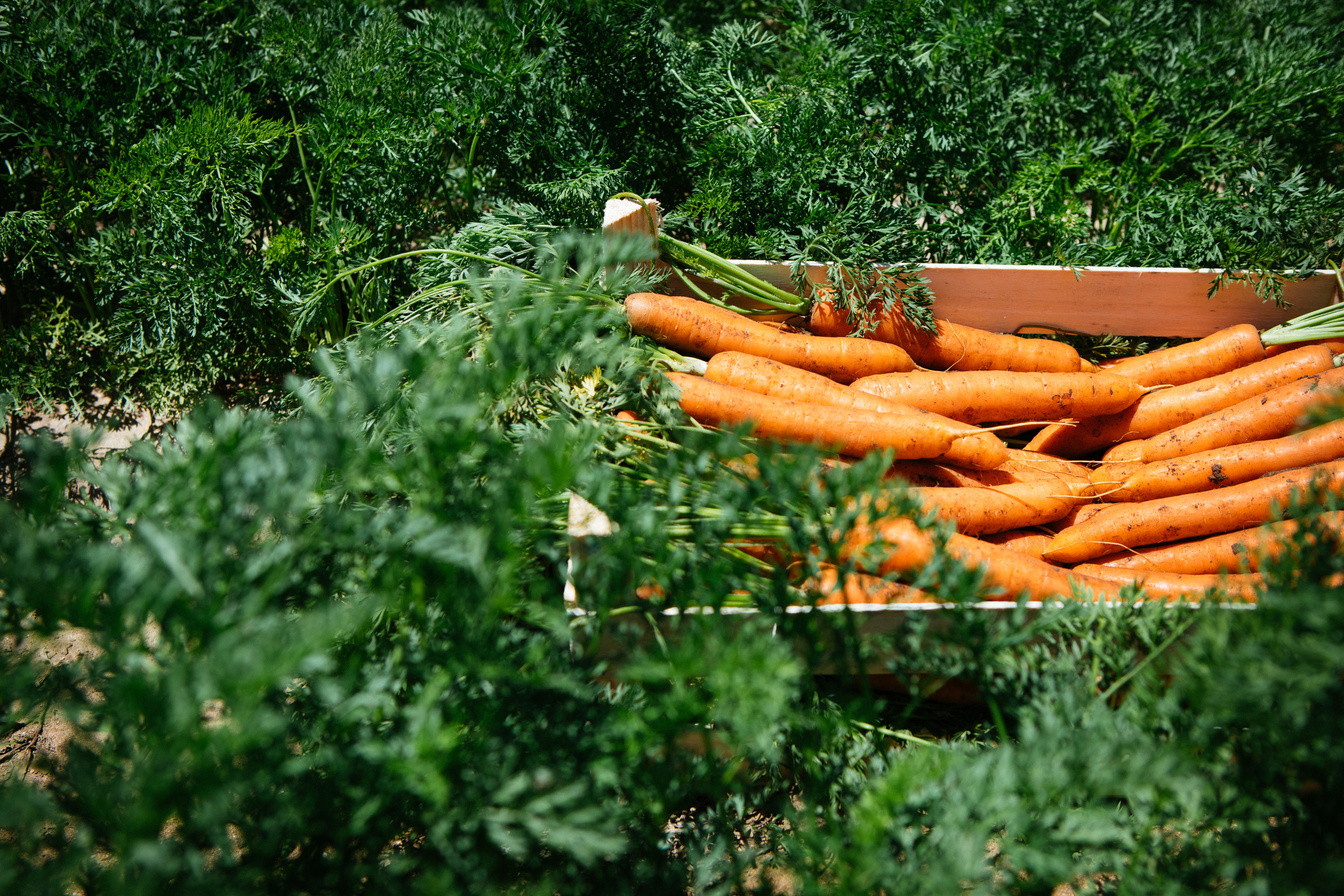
[31, 747]
[107, 426]
[37, 745]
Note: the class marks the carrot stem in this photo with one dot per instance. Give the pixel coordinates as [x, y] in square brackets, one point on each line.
[731, 276]
[679, 362]
[1149, 658]
[719, 269]
[1323, 323]
[717, 302]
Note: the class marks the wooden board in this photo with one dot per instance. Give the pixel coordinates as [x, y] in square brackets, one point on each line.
[1161, 302]
[588, 526]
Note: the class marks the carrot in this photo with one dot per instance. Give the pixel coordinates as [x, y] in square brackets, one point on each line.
[690, 325]
[935, 473]
[1031, 542]
[1227, 349]
[1268, 415]
[1221, 467]
[953, 346]
[947, 472]
[860, 588]
[980, 396]
[1075, 516]
[1131, 451]
[1240, 506]
[905, 548]
[986, 510]
[1026, 541]
[1022, 461]
[1234, 346]
[769, 377]
[1243, 550]
[852, 432]
[1163, 409]
[764, 550]
[1335, 345]
[1243, 587]
[1225, 552]
[1109, 476]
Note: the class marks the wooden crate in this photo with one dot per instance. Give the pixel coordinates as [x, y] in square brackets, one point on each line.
[1139, 302]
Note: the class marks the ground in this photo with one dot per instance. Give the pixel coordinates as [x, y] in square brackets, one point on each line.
[112, 429]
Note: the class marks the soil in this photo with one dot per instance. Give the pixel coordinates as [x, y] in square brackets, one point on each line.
[34, 746]
[108, 426]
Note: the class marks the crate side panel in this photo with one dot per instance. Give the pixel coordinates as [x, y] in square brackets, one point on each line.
[1122, 301]
[1162, 302]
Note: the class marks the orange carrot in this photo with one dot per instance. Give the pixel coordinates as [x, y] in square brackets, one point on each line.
[1021, 461]
[986, 510]
[947, 472]
[1221, 467]
[860, 588]
[1335, 345]
[1163, 409]
[1021, 466]
[764, 550]
[902, 547]
[1026, 541]
[1239, 551]
[1241, 506]
[690, 325]
[1267, 415]
[980, 396]
[953, 346]
[1225, 350]
[936, 473]
[1107, 477]
[852, 432]
[769, 377]
[1079, 514]
[1240, 587]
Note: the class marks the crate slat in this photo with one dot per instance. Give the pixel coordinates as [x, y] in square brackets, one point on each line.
[1160, 302]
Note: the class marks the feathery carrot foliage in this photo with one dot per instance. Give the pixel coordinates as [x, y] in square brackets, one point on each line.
[326, 648]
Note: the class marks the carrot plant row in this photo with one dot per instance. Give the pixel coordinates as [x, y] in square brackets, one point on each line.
[1169, 472]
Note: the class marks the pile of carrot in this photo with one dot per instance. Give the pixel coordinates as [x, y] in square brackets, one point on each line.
[1169, 471]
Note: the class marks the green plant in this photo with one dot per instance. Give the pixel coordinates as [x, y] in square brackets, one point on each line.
[892, 132]
[330, 650]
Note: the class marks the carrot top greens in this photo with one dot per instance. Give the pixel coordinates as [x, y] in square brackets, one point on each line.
[324, 646]
[162, 216]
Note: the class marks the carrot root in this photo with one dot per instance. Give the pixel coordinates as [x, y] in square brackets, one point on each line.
[690, 325]
[1241, 506]
[851, 432]
[953, 346]
[982, 396]
[1161, 410]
